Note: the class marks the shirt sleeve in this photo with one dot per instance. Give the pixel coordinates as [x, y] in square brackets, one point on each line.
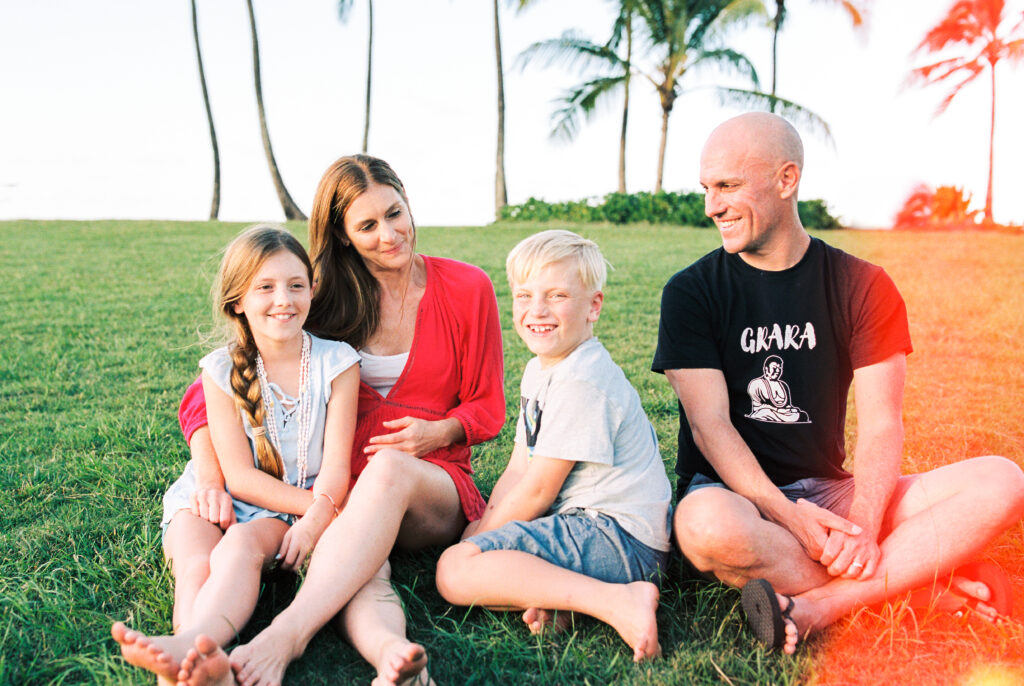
[192, 411]
[685, 338]
[881, 328]
[481, 409]
[338, 357]
[578, 423]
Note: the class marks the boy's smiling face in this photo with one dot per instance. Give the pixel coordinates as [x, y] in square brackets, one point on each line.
[553, 311]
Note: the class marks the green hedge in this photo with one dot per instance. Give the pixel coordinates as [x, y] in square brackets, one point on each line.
[684, 209]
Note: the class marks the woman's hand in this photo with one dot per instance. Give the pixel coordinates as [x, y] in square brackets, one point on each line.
[417, 437]
[301, 537]
[213, 504]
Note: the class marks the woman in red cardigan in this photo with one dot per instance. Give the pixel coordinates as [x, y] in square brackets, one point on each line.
[431, 386]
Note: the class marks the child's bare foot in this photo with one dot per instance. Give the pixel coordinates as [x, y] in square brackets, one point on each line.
[264, 659]
[206, 665]
[540, 621]
[634, 616]
[403, 663]
[160, 655]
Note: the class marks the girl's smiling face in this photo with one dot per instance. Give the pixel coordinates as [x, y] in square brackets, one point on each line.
[277, 299]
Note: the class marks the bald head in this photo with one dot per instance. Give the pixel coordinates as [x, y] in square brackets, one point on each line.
[750, 169]
[762, 135]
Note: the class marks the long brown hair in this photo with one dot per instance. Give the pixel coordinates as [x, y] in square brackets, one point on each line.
[346, 301]
[242, 260]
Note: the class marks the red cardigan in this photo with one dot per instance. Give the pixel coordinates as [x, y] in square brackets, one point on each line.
[455, 369]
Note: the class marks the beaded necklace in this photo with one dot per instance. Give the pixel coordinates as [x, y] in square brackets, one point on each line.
[304, 405]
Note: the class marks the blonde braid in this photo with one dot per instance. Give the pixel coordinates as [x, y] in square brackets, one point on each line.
[248, 396]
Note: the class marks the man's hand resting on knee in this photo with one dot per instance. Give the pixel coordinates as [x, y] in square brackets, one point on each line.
[811, 525]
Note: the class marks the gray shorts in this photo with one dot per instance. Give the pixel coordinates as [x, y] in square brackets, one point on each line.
[834, 495]
[592, 545]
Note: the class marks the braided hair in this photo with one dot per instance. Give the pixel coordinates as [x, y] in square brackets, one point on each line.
[242, 260]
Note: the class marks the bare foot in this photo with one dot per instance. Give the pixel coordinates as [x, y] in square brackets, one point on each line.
[800, 622]
[634, 616]
[404, 663]
[264, 659]
[540, 621]
[159, 654]
[954, 595]
[206, 665]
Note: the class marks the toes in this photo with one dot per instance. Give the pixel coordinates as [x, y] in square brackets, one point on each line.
[118, 631]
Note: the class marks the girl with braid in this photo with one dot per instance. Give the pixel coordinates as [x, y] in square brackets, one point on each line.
[281, 407]
[431, 386]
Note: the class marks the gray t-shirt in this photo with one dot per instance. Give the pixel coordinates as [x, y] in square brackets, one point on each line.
[584, 409]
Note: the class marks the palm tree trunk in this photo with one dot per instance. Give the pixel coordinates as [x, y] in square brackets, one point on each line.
[661, 148]
[991, 150]
[500, 193]
[215, 203]
[291, 210]
[780, 13]
[625, 103]
[369, 64]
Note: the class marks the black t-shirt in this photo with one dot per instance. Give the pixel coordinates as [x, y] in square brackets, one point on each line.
[787, 343]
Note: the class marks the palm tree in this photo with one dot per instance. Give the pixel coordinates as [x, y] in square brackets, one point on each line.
[215, 203]
[500, 191]
[344, 7]
[853, 8]
[687, 36]
[291, 210]
[582, 100]
[973, 26]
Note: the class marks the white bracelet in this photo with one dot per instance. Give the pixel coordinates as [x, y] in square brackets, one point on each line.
[328, 496]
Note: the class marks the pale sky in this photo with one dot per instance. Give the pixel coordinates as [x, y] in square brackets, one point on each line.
[102, 113]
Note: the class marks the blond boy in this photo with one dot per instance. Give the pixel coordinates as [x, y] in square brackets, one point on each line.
[579, 519]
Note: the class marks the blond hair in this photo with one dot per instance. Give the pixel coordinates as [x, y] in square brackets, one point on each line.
[557, 245]
[243, 258]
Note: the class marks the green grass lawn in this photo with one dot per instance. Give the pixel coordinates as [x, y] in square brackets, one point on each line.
[100, 337]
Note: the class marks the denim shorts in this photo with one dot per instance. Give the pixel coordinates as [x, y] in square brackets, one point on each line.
[590, 544]
[834, 495]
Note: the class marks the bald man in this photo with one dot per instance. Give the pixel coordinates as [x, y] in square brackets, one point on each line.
[764, 504]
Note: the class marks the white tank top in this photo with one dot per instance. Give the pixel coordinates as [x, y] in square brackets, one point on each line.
[380, 372]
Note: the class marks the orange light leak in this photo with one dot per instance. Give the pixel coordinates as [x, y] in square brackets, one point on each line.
[896, 645]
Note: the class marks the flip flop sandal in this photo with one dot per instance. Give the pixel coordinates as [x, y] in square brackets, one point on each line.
[764, 617]
[993, 576]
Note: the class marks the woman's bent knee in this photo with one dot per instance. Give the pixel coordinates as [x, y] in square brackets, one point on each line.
[388, 470]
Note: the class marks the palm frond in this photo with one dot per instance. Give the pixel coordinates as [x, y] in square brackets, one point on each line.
[798, 115]
[973, 71]
[581, 102]
[735, 62]
[571, 50]
[694, 27]
[344, 10]
[943, 69]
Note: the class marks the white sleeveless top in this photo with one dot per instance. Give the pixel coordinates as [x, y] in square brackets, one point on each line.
[381, 372]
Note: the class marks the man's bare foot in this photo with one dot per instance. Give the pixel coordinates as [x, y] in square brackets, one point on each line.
[954, 596]
[634, 616]
[264, 659]
[800, 621]
[541, 621]
[206, 664]
[403, 663]
[158, 654]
